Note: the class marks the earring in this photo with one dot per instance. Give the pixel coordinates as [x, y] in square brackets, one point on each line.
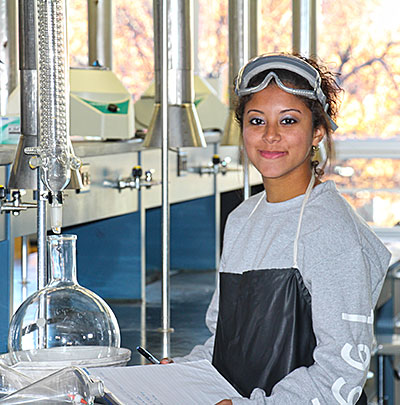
[315, 148]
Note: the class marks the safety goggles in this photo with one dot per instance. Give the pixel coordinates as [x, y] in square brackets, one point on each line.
[285, 62]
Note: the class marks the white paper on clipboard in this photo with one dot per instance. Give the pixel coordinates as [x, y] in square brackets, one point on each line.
[195, 382]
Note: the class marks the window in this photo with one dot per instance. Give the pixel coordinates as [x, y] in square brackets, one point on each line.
[361, 41]
[77, 33]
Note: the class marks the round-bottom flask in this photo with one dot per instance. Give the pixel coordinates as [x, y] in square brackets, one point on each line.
[62, 314]
[67, 386]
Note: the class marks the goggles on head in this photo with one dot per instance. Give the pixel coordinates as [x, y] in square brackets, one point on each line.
[285, 62]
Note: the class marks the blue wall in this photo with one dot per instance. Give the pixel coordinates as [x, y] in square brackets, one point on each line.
[192, 236]
[108, 251]
[108, 256]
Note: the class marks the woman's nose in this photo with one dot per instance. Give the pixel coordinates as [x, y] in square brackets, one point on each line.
[271, 134]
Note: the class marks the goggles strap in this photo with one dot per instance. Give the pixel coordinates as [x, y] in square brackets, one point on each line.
[316, 94]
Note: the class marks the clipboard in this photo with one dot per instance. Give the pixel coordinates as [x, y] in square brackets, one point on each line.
[178, 384]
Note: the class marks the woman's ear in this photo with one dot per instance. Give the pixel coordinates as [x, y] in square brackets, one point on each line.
[318, 135]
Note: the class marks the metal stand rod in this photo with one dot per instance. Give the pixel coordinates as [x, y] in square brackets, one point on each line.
[254, 23]
[304, 27]
[41, 256]
[381, 398]
[24, 266]
[100, 21]
[165, 298]
[10, 259]
[246, 176]
[41, 235]
[217, 210]
[142, 268]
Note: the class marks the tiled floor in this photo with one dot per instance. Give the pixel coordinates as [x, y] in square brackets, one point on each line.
[190, 295]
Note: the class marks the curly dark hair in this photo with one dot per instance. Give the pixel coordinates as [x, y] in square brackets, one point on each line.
[329, 86]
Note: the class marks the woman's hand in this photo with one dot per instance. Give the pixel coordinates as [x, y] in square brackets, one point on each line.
[224, 402]
[166, 360]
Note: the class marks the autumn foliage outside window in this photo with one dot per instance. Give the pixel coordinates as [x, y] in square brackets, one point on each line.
[360, 40]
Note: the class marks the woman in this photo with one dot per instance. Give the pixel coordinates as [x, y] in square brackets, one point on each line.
[301, 272]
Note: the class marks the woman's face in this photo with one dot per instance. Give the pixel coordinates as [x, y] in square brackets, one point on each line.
[277, 134]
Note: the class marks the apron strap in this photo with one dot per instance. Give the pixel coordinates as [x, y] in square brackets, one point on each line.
[306, 197]
[258, 203]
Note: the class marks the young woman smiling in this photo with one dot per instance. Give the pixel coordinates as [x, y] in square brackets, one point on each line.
[301, 272]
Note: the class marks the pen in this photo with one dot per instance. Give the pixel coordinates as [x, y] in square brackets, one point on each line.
[110, 398]
[148, 355]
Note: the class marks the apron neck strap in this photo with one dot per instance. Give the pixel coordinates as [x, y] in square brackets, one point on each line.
[306, 197]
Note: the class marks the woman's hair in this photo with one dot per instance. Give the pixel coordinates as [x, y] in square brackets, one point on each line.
[329, 87]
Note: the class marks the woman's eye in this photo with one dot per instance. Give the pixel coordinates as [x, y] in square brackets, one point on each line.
[288, 121]
[256, 121]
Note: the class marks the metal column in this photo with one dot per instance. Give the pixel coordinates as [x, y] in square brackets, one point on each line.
[8, 51]
[305, 27]
[238, 56]
[254, 11]
[100, 32]
[165, 298]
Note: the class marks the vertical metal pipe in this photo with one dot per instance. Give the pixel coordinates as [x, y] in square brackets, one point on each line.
[254, 11]
[28, 69]
[254, 7]
[29, 118]
[9, 279]
[238, 56]
[100, 18]
[238, 41]
[381, 366]
[217, 210]
[185, 127]
[42, 274]
[8, 51]
[24, 266]
[304, 27]
[165, 316]
[41, 233]
[12, 44]
[196, 13]
[22, 176]
[4, 72]
[246, 176]
[142, 211]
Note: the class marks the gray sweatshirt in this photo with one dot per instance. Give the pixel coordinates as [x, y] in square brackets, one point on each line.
[343, 265]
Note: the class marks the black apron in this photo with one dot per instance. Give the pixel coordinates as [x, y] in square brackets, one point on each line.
[264, 328]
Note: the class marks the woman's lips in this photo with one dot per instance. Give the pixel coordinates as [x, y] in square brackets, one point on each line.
[271, 154]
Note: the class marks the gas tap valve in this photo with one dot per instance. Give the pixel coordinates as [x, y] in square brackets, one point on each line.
[214, 167]
[135, 182]
[136, 175]
[15, 204]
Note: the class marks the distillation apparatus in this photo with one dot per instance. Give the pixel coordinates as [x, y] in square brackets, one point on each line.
[54, 155]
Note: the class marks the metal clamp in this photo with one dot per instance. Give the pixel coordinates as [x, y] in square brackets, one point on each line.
[15, 205]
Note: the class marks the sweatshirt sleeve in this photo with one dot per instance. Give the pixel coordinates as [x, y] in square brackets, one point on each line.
[342, 311]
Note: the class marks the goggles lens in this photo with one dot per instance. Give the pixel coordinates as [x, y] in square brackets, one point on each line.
[285, 62]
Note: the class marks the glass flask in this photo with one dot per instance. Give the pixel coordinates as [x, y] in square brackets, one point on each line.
[69, 385]
[62, 315]
[11, 380]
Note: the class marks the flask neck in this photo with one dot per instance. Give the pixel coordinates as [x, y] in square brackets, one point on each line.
[62, 259]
